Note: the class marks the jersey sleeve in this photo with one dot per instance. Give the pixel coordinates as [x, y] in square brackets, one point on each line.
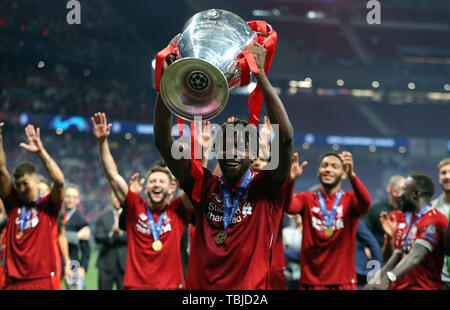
[130, 201]
[297, 203]
[430, 231]
[278, 193]
[360, 200]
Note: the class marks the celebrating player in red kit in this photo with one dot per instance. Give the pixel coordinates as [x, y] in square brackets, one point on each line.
[237, 215]
[30, 262]
[154, 227]
[330, 219]
[418, 257]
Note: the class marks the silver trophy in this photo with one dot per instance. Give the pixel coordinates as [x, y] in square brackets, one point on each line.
[198, 83]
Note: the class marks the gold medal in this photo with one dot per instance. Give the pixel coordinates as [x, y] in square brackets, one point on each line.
[221, 236]
[19, 235]
[157, 245]
[329, 232]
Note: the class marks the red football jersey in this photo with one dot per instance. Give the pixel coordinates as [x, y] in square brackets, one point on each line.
[243, 260]
[146, 268]
[278, 264]
[428, 232]
[32, 256]
[330, 260]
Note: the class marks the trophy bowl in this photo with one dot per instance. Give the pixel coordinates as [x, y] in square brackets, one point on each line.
[198, 83]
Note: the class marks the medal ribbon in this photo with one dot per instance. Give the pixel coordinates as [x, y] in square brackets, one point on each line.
[329, 218]
[230, 209]
[421, 213]
[25, 218]
[408, 219]
[155, 230]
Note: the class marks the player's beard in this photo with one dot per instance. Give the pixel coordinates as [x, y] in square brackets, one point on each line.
[445, 187]
[163, 198]
[407, 205]
[331, 185]
[234, 178]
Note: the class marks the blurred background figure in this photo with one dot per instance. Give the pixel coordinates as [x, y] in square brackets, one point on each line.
[78, 233]
[292, 241]
[113, 241]
[388, 205]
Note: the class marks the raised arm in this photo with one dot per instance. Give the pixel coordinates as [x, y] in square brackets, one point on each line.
[410, 261]
[296, 167]
[362, 202]
[5, 177]
[399, 266]
[277, 116]
[380, 279]
[164, 142]
[35, 145]
[101, 131]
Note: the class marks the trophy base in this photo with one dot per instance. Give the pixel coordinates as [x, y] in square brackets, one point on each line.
[193, 87]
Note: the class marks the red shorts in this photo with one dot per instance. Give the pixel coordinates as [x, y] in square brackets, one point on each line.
[277, 280]
[35, 284]
[319, 287]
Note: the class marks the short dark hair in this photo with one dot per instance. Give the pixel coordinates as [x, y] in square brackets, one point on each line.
[160, 163]
[329, 154]
[244, 123]
[24, 168]
[424, 183]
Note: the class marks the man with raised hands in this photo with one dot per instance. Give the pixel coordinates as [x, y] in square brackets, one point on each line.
[236, 214]
[330, 220]
[30, 261]
[154, 227]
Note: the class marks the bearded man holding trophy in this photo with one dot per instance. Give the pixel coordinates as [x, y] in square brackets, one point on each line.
[238, 213]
